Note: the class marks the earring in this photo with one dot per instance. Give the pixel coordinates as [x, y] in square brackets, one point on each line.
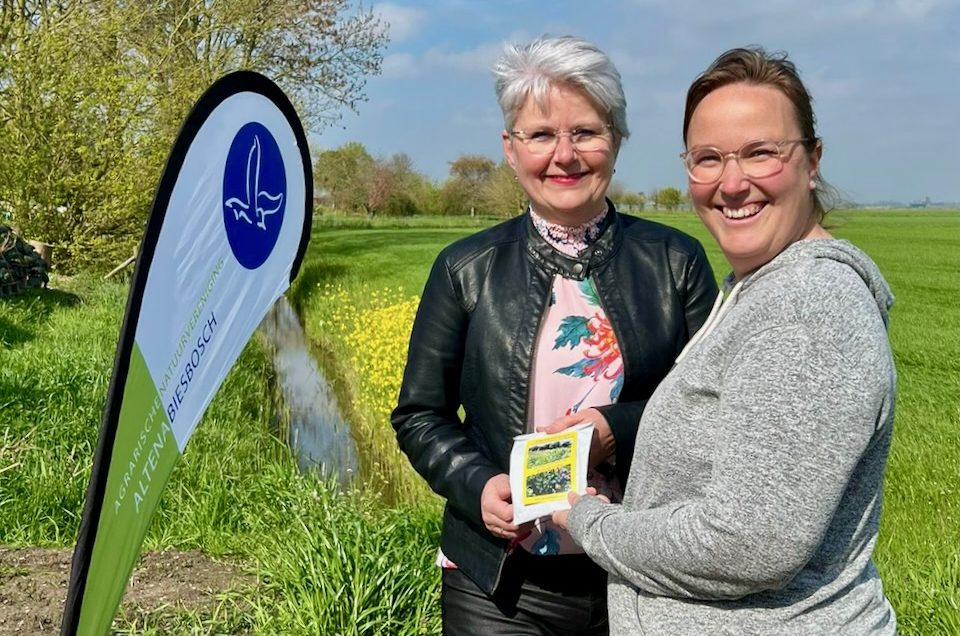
[813, 184]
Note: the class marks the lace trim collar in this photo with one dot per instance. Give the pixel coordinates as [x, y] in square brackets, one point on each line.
[571, 240]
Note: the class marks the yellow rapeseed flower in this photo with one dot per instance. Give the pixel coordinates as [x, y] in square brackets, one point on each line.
[371, 330]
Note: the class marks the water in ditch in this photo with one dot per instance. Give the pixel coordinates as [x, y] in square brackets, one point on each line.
[317, 432]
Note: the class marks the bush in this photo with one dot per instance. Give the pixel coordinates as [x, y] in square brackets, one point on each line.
[399, 204]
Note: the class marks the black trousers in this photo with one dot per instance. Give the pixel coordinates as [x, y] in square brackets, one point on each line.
[562, 595]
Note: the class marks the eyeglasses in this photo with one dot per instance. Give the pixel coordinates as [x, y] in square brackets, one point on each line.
[756, 159]
[584, 138]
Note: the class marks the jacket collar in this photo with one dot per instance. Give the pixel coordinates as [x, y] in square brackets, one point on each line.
[577, 268]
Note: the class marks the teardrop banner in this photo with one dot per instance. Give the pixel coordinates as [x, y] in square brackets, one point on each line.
[226, 235]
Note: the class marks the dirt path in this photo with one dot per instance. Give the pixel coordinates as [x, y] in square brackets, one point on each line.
[33, 586]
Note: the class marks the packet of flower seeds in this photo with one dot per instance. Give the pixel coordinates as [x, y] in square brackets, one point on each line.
[544, 468]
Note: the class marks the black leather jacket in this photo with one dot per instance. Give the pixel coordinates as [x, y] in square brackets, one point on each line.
[473, 341]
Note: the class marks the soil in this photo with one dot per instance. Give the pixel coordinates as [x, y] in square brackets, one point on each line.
[33, 587]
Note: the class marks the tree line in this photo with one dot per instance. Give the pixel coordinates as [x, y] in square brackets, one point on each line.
[351, 181]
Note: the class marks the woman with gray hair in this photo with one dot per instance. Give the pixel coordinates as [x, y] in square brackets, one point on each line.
[569, 313]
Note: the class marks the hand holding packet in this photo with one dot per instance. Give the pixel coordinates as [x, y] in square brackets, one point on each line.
[544, 468]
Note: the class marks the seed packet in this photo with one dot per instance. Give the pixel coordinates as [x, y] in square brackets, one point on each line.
[544, 468]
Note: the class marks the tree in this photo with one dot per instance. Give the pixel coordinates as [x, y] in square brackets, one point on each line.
[87, 121]
[344, 174]
[463, 192]
[615, 190]
[669, 198]
[71, 117]
[503, 195]
[633, 201]
[399, 204]
[355, 182]
[624, 200]
[424, 193]
[319, 52]
[411, 193]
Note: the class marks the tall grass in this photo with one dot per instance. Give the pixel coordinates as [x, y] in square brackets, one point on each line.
[324, 561]
[55, 361]
[373, 574]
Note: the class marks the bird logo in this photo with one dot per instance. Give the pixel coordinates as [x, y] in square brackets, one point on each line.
[257, 200]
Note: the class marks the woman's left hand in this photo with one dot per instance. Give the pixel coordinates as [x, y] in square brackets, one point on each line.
[603, 445]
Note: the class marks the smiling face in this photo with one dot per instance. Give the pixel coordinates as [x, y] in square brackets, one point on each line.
[567, 187]
[753, 219]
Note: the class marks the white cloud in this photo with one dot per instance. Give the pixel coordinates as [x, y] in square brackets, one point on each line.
[920, 9]
[439, 58]
[476, 60]
[876, 68]
[405, 22]
[400, 65]
[729, 11]
[785, 16]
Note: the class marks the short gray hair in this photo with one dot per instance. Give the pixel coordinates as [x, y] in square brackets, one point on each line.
[532, 69]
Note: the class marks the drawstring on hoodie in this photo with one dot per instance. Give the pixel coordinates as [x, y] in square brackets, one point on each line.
[720, 308]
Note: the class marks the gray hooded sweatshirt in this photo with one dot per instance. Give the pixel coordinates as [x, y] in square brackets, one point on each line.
[753, 500]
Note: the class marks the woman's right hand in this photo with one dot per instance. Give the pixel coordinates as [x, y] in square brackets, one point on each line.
[496, 508]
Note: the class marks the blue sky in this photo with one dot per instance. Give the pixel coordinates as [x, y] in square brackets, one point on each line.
[884, 74]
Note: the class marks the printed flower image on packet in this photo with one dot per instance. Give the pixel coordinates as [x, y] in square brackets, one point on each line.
[544, 468]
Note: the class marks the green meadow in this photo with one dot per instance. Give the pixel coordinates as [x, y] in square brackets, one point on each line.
[360, 562]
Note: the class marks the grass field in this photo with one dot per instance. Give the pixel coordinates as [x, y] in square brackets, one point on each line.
[348, 564]
[919, 252]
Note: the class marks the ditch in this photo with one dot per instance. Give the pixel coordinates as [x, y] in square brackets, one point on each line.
[317, 432]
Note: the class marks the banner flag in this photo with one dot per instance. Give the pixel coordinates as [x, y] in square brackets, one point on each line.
[225, 237]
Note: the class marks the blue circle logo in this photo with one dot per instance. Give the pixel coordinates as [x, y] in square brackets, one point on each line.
[254, 194]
